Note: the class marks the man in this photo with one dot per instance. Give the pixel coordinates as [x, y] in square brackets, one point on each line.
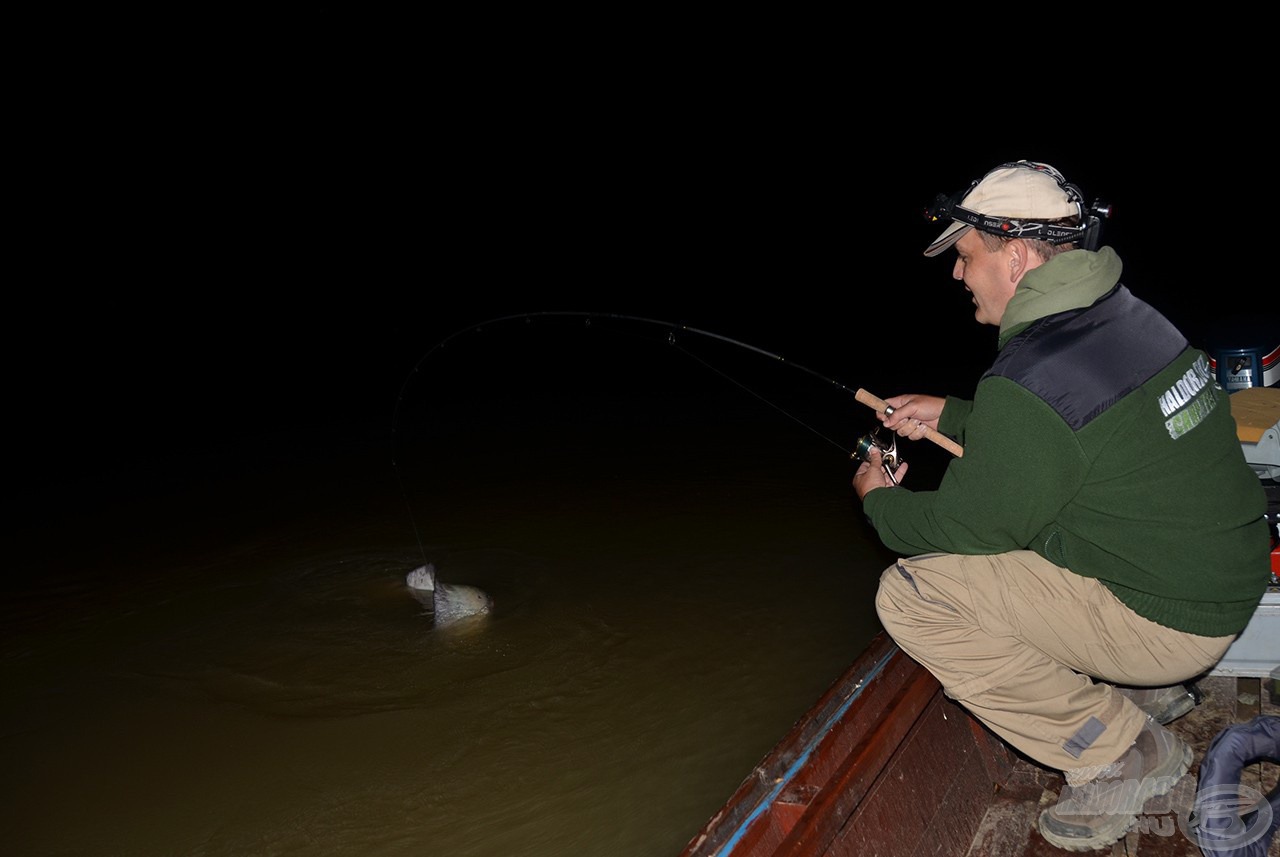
[1101, 526]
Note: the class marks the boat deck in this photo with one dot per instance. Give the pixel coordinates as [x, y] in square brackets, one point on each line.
[1008, 828]
[885, 765]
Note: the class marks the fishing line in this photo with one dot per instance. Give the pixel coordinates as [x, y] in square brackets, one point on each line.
[673, 328]
[743, 386]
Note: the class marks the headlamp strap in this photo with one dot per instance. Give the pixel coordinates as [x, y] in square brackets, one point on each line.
[1015, 228]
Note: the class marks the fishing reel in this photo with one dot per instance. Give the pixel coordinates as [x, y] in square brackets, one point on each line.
[889, 459]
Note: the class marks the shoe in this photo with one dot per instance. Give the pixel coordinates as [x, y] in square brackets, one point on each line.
[1094, 813]
[1163, 704]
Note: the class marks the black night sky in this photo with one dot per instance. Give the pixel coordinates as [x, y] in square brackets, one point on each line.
[242, 271]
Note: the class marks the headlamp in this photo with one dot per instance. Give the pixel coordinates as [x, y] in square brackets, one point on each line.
[946, 207]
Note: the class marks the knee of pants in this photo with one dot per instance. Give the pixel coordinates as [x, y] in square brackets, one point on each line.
[906, 612]
[894, 598]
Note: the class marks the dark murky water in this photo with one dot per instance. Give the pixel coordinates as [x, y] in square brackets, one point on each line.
[233, 665]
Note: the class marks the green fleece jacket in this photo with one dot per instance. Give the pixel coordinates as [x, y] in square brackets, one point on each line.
[1100, 440]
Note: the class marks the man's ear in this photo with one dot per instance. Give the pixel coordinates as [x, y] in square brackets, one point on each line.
[1020, 258]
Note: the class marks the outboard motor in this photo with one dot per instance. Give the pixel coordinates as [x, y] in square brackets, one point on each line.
[1245, 352]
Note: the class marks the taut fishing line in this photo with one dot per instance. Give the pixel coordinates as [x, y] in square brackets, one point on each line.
[673, 329]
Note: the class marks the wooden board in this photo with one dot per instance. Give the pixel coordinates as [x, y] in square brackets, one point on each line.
[1255, 410]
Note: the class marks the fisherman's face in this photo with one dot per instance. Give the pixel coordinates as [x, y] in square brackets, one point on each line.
[988, 276]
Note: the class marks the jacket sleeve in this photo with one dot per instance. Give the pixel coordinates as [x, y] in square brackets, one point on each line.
[1021, 465]
[955, 413]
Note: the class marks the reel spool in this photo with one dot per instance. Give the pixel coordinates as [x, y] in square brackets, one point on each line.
[889, 459]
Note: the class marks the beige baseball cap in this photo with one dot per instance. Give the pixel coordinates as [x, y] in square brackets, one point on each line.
[1019, 190]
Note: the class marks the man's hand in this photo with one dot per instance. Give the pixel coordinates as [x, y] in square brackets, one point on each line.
[912, 414]
[871, 474]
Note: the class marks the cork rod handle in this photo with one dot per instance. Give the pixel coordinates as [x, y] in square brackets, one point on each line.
[880, 406]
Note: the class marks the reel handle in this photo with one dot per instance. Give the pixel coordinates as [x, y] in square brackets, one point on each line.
[880, 406]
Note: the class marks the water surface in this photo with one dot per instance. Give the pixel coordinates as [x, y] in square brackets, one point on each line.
[229, 663]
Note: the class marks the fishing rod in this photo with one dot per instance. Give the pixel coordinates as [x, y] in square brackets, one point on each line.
[673, 328]
[888, 450]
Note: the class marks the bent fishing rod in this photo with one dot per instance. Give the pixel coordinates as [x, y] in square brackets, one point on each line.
[888, 450]
[674, 328]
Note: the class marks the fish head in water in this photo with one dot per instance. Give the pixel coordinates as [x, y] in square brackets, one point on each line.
[455, 601]
[448, 601]
[423, 577]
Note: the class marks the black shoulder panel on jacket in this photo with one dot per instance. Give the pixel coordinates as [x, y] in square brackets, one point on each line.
[1082, 361]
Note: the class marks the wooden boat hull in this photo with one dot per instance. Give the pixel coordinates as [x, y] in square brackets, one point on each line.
[882, 764]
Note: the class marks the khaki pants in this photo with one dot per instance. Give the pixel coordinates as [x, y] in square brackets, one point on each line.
[1016, 640]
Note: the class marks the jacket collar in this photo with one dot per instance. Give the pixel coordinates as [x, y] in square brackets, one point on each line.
[1069, 280]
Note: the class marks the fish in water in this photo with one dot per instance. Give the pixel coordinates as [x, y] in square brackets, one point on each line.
[449, 601]
[422, 578]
